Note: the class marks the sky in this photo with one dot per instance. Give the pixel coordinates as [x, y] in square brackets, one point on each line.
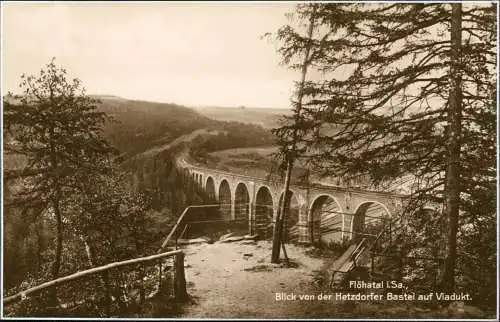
[194, 54]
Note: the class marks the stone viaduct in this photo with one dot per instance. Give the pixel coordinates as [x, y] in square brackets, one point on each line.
[317, 213]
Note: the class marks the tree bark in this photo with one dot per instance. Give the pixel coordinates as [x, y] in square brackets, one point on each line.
[57, 262]
[278, 226]
[104, 277]
[452, 189]
[88, 251]
[57, 211]
[40, 244]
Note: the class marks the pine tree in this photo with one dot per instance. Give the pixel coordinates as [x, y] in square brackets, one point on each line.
[55, 128]
[288, 143]
[402, 90]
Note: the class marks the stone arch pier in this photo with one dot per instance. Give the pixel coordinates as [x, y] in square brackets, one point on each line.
[317, 214]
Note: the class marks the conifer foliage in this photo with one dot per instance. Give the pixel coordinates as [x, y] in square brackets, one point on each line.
[401, 90]
[55, 129]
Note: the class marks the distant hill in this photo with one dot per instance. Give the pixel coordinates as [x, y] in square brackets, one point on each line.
[140, 126]
[266, 117]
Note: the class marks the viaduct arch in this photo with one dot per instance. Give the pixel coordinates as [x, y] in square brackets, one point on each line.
[317, 214]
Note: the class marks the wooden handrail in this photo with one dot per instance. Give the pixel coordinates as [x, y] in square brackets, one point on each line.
[217, 221]
[348, 231]
[436, 259]
[357, 250]
[389, 225]
[184, 213]
[78, 275]
[182, 234]
[193, 223]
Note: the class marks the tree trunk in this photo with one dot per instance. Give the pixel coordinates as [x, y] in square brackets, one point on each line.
[88, 251]
[452, 189]
[278, 227]
[40, 245]
[59, 236]
[56, 206]
[104, 277]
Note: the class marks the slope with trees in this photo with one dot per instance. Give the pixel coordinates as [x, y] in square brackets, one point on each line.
[55, 128]
[79, 189]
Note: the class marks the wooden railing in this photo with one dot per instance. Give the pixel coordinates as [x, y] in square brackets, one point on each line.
[115, 289]
[196, 228]
[183, 219]
[193, 223]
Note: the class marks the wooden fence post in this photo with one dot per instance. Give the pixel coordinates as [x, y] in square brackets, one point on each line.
[142, 289]
[160, 277]
[107, 293]
[180, 292]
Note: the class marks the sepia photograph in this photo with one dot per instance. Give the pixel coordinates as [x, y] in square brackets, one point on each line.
[249, 160]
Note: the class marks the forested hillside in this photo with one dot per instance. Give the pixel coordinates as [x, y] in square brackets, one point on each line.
[266, 117]
[137, 126]
[150, 135]
[147, 136]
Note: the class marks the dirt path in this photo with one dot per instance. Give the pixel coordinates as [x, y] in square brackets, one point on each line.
[226, 282]
[222, 288]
